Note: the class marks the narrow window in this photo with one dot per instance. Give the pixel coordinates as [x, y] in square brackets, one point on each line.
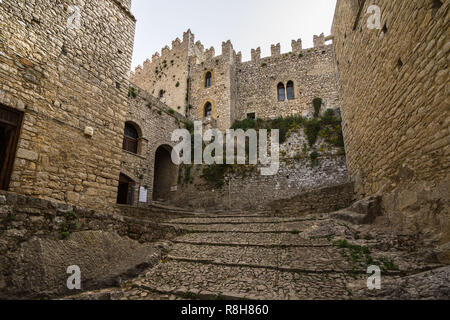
[161, 94]
[208, 110]
[281, 93]
[130, 139]
[208, 79]
[290, 90]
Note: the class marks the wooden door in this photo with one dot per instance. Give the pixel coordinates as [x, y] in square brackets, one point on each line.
[10, 123]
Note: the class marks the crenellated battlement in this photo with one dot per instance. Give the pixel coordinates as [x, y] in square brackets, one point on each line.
[210, 53]
[178, 48]
[275, 50]
[297, 46]
[197, 50]
[319, 41]
[256, 54]
[176, 74]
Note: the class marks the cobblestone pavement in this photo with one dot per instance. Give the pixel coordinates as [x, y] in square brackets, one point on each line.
[261, 257]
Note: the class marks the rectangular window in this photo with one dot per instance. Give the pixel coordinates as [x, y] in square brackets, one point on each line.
[251, 116]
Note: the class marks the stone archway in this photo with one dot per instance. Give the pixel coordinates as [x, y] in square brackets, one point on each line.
[165, 173]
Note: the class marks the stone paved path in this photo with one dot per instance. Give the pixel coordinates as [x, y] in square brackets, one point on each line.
[261, 257]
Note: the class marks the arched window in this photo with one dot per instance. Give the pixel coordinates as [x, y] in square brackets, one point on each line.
[208, 79]
[208, 110]
[290, 90]
[130, 138]
[281, 92]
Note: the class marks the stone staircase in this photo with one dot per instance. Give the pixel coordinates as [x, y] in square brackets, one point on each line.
[255, 256]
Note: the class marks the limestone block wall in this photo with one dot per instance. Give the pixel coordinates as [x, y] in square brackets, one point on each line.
[239, 88]
[155, 123]
[25, 219]
[64, 79]
[312, 71]
[220, 94]
[167, 73]
[394, 85]
[249, 190]
[322, 200]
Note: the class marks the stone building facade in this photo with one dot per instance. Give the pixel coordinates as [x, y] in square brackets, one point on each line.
[148, 169]
[63, 94]
[394, 85]
[244, 188]
[191, 79]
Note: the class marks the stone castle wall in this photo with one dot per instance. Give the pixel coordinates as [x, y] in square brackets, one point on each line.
[249, 190]
[155, 123]
[65, 80]
[312, 72]
[394, 85]
[239, 88]
[168, 72]
[220, 94]
[26, 220]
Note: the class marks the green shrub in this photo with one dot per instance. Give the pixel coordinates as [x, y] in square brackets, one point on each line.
[189, 125]
[215, 174]
[314, 156]
[312, 128]
[187, 175]
[317, 103]
[283, 124]
[132, 92]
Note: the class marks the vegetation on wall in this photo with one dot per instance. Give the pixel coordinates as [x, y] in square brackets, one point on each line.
[317, 104]
[132, 93]
[327, 126]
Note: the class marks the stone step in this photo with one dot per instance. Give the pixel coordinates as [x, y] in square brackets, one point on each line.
[292, 259]
[246, 239]
[285, 227]
[208, 281]
[306, 259]
[239, 220]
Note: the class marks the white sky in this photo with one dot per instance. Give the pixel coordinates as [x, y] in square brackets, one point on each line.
[247, 23]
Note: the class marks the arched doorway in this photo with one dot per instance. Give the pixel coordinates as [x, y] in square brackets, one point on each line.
[126, 190]
[165, 173]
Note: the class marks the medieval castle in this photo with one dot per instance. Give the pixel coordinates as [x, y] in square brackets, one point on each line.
[79, 130]
[200, 85]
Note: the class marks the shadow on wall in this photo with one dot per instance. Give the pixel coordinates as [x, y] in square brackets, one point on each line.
[165, 173]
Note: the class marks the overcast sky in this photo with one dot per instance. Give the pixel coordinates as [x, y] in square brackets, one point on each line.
[247, 23]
